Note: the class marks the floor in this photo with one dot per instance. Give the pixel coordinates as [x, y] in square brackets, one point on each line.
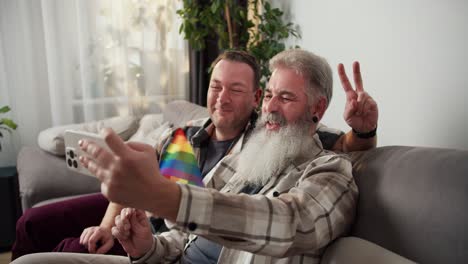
[5, 257]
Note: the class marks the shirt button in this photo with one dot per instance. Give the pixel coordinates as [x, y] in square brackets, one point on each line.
[192, 226]
[275, 194]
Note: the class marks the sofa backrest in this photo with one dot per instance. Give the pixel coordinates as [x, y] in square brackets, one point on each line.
[414, 202]
[180, 112]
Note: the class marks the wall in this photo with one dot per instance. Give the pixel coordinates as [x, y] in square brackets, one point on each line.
[414, 61]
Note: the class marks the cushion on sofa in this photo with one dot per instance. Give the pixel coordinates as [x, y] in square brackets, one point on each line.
[180, 112]
[52, 141]
[44, 176]
[151, 130]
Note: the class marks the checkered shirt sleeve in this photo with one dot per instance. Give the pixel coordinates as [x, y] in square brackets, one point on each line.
[303, 219]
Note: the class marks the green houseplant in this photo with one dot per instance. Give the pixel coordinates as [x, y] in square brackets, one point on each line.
[256, 27]
[6, 124]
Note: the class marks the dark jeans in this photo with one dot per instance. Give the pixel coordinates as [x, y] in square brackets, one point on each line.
[58, 226]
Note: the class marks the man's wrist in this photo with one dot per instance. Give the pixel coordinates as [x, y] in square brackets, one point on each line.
[165, 203]
[366, 135]
[146, 255]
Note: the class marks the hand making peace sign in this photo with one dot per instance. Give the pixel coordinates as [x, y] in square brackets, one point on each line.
[361, 112]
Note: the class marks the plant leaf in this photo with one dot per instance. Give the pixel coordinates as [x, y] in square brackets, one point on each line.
[5, 109]
[9, 123]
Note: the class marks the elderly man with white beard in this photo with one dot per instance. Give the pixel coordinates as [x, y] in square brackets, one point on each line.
[283, 198]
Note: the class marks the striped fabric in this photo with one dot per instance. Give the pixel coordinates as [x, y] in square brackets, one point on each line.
[178, 163]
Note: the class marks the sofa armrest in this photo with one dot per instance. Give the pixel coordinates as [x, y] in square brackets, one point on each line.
[413, 200]
[353, 250]
[43, 176]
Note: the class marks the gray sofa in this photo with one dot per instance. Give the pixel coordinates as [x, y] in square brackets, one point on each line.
[412, 202]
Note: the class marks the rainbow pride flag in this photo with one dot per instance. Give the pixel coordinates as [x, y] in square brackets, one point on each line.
[178, 163]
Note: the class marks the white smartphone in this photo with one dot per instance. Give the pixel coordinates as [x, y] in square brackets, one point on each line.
[73, 150]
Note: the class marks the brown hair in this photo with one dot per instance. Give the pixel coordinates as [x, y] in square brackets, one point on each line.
[242, 57]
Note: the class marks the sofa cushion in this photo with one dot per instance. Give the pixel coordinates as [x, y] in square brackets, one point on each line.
[413, 201]
[52, 141]
[180, 112]
[43, 176]
[151, 129]
[353, 250]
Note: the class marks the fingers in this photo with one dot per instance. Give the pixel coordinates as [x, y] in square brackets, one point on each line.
[101, 155]
[99, 171]
[114, 142]
[361, 101]
[141, 218]
[85, 235]
[350, 109]
[122, 222]
[117, 230]
[121, 230]
[350, 94]
[89, 164]
[117, 234]
[91, 236]
[106, 246]
[99, 158]
[99, 237]
[140, 146]
[357, 77]
[370, 107]
[93, 240]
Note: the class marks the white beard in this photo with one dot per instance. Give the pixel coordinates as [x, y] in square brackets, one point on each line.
[267, 153]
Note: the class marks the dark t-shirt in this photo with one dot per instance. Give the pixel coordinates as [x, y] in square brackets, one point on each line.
[213, 153]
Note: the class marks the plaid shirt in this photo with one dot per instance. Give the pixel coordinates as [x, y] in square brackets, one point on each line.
[291, 220]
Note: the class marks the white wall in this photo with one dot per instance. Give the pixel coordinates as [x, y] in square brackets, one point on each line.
[414, 60]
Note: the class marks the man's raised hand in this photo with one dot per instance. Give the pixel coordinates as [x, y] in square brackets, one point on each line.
[361, 112]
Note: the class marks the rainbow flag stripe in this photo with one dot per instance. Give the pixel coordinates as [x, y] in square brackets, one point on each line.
[178, 163]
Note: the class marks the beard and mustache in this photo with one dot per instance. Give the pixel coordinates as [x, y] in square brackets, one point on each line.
[267, 153]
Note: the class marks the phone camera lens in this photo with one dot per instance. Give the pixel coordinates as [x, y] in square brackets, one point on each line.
[69, 162]
[75, 164]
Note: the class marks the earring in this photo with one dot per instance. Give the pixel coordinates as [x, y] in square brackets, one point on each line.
[315, 119]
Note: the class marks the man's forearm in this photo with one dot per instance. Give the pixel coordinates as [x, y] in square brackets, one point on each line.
[113, 209]
[163, 200]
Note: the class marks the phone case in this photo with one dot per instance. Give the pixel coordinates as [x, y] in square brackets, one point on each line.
[73, 150]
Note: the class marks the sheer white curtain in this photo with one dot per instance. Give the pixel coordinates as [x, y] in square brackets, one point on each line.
[65, 62]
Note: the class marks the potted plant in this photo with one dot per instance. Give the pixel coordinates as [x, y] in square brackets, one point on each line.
[6, 124]
[254, 26]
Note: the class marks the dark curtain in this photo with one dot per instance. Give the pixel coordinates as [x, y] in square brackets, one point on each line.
[200, 62]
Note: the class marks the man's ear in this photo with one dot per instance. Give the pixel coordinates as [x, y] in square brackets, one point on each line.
[258, 96]
[319, 108]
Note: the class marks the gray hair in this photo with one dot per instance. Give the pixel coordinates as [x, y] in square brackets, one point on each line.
[313, 68]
